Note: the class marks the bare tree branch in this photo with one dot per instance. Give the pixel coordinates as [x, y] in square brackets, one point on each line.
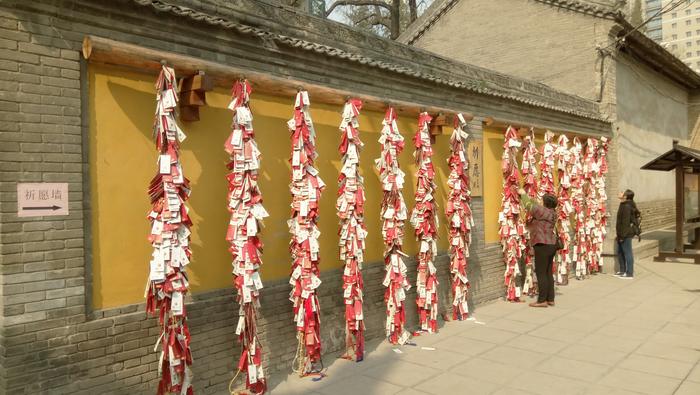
[413, 10]
[380, 22]
[375, 19]
[339, 3]
[365, 18]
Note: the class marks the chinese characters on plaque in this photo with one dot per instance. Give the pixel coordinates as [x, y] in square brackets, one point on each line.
[42, 199]
[474, 151]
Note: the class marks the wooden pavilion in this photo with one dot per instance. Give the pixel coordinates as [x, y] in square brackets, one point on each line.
[683, 160]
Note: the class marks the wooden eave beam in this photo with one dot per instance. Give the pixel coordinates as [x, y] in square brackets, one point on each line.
[111, 52]
[539, 129]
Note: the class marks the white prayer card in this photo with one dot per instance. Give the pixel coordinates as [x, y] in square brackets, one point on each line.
[157, 270]
[297, 272]
[157, 227]
[181, 136]
[247, 297]
[311, 170]
[164, 162]
[233, 104]
[176, 303]
[237, 138]
[252, 374]
[257, 281]
[241, 324]
[243, 115]
[169, 100]
[251, 226]
[387, 279]
[315, 282]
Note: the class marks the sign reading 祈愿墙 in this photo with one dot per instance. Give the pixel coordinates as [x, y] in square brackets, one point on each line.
[42, 199]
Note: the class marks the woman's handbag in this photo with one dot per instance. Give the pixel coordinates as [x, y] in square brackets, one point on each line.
[558, 244]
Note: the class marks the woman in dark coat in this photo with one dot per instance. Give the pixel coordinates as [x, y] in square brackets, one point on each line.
[626, 227]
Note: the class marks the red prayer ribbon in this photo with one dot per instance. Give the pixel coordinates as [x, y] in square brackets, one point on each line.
[306, 188]
[564, 209]
[394, 214]
[511, 228]
[247, 213]
[459, 218]
[530, 184]
[170, 237]
[425, 222]
[352, 232]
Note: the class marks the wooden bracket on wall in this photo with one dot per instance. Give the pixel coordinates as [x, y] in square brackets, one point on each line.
[439, 120]
[193, 91]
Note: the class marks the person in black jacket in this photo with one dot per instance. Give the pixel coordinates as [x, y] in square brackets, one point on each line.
[625, 229]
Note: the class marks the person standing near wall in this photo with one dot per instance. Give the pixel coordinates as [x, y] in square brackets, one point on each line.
[543, 239]
[626, 228]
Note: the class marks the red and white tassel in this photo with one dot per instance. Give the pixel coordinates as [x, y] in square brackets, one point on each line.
[564, 210]
[459, 218]
[529, 172]
[547, 162]
[351, 209]
[601, 214]
[511, 228]
[590, 168]
[425, 222]
[170, 237]
[247, 213]
[579, 253]
[306, 188]
[394, 214]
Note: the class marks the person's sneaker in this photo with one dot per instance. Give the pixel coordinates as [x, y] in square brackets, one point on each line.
[626, 276]
[619, 274]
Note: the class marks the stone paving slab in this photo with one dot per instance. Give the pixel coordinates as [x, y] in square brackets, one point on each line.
[605, 336]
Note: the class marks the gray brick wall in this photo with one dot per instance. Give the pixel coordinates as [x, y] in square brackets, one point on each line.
[50, 340]
[519, 37]
[657, 214]
[41, 266]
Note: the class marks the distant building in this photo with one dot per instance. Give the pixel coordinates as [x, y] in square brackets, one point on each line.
[653, 28]
[590, 49]
[678, 30]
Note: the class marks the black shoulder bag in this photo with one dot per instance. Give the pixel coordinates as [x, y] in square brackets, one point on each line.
[558, 244]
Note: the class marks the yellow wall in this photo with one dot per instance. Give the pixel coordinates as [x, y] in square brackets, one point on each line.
[493, 181]
[493, 177]
[123, 161]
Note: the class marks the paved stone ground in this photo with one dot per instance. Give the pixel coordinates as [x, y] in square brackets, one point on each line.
[605, 336]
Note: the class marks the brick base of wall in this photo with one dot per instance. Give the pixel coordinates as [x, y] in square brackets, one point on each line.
[112, 352]
[657, 214]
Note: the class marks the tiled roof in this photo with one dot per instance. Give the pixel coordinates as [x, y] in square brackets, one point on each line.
[440, 7]
[426, 20]
[495, 84]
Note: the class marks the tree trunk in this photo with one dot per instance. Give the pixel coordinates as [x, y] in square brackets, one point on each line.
[395, 19]
[413, 10]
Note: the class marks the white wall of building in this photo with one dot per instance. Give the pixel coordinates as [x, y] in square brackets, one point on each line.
[651, 112]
